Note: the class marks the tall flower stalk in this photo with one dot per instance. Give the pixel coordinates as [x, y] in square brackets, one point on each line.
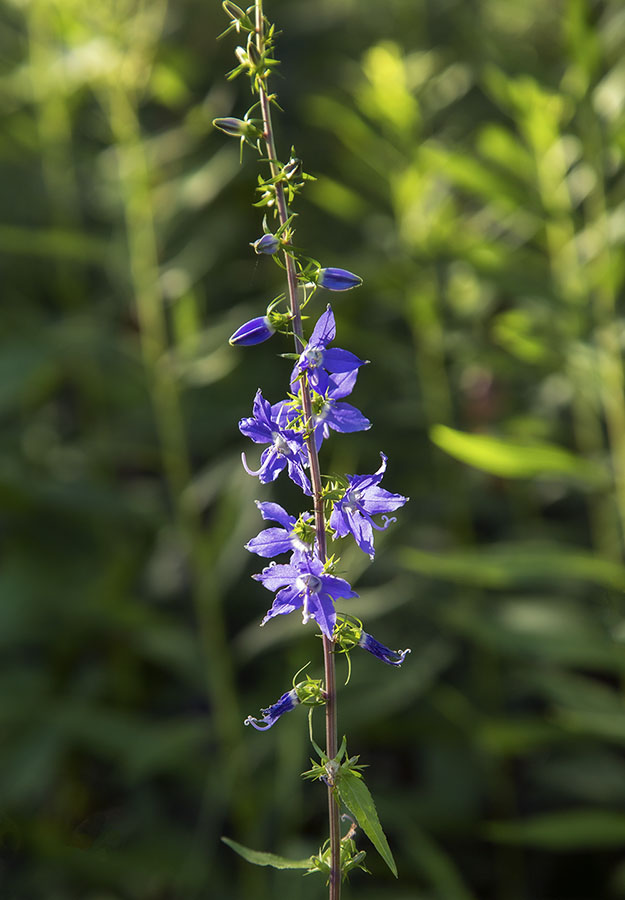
[294, 430]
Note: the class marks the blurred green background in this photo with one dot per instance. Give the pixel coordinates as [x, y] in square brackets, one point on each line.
[470, 165]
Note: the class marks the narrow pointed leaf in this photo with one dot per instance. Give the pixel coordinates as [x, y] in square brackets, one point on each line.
[355, 795]
[258, 858]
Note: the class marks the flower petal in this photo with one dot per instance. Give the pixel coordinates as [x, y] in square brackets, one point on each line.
[278, 576]
[337, 360]
[273, 512]
[270, 542]
[324, 330]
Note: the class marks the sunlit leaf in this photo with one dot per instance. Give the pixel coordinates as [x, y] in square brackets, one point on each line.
[258, 858]
[513, 459]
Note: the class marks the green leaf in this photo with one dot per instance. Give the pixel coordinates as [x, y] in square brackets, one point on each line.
[575, 829]
[515, 459]
[258, 858]
[355, 795]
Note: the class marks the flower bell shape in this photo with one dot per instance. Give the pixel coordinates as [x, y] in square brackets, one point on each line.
[362, 500]
[286, 448]
[388, 656]
[302, 584]
[253, 332]
[285, 704]
[268, 244]
[338, 279]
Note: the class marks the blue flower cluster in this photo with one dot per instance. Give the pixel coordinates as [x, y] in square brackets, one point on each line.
[306, 582]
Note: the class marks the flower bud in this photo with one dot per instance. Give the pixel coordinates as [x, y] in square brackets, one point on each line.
[253, 332]
[338, 279]
[232, 126]
[293, 169]
[234, 11]
[252, 52]
[268, 244]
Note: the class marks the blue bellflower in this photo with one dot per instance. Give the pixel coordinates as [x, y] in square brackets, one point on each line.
[301, 584]
[285, 704]
[362, 500]
[286, 448]
[317, 360]
[253, 332]
[391, 657]
[274, 541]
[338, 279]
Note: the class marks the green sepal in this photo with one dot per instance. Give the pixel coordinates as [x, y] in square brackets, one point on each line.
[258, 858]
[354, 793]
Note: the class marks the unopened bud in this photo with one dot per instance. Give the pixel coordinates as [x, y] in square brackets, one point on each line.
[268, 244]
[253, 54]
[253, 332]
[232, 126]
[234, 11]
[293, 169]
[338, 279]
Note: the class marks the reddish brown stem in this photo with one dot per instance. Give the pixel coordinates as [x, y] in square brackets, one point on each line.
[315, 472]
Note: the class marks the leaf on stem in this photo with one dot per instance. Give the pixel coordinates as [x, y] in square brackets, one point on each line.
[355, 795]
[258, 858]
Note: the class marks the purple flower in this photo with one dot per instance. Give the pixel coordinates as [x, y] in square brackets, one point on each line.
[317, 360]
[285, 704]
[268, 425]
[253, 332]
[273, 541]
[338, 279]
[363, 499]
[268, 244]
[328, 413]
[391, 657]
[302, 585]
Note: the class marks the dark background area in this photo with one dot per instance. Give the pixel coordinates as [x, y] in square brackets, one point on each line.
[469, 158]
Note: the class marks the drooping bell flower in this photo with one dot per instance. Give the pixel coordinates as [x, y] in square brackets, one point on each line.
[388, 656]
[338, 279]
[253, 332]
[285, 704]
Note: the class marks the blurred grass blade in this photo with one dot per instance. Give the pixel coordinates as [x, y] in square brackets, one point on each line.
[513, 459]
[503, 565]
[576, 829]
[436, 866]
